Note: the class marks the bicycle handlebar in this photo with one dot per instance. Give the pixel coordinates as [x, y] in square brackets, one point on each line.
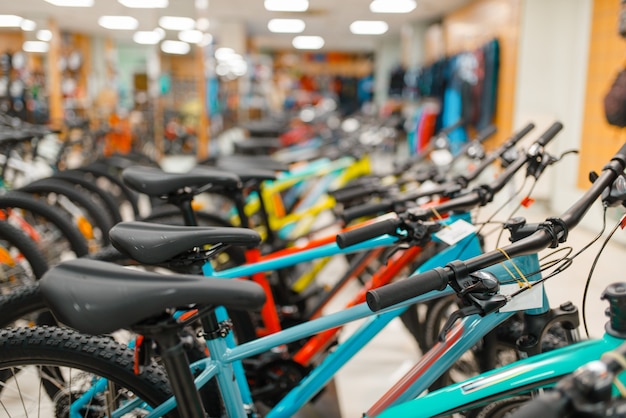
[550, 133]
[389, 205]
[376, 229]
[508, 144]
[550, 234]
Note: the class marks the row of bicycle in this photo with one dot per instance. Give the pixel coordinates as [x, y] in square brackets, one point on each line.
[263, 346]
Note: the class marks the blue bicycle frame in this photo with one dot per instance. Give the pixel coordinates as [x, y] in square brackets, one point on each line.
[226, 356]
[225, 360]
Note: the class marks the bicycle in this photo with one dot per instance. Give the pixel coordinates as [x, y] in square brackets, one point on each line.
[590, 390]
[221, 354]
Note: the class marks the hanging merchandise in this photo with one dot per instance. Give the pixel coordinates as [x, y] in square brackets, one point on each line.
[466, 85]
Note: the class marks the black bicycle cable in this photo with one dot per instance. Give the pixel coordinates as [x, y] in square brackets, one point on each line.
[568, 261]
[593, 266]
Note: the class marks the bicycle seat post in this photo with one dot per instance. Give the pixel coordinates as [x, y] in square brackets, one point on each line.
[176, 362]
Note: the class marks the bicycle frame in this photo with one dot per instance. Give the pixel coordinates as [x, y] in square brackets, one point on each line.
[540, 371]
[226, 356]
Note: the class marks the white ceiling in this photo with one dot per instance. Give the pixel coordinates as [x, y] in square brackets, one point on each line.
[327, 18]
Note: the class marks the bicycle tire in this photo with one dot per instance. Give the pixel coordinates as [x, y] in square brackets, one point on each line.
[23, 303]
[30, 254]
[92, 211]
[107, 199]
[52, 215]
[50, 348]
[99, 169]
[501, 408]
[482, 357]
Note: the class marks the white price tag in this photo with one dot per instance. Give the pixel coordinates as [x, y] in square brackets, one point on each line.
[528, 299]
[455, 232]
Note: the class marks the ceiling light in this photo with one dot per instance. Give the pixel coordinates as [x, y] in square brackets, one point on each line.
[286, 5]
[35, 46]
[44, 35]
[118, 22]
[392, 6]
[368, 27]
[177, 23]
[308, 42]
[202, 24]
[147, 37]
[202, 4]
[71, 3]
[144, 4]
[207, 39]
[286, 25]
[223, 54]
[190, 36]
[10, 21]
[28, 25]
[175, 47]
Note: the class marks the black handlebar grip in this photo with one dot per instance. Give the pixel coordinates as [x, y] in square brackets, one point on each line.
[621, 155]
[486, 133]
[448, 129]
[550, 133]
[368, 209]
[520, 134]
[348, 195]
[389, 295]
[376, 229]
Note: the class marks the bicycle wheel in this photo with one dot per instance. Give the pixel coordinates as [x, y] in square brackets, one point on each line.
[44, 370]
[56, 236]
[24, 306]
[499, 409]
[21, 261]
[491, 352]
[107, 199]
[90, 218]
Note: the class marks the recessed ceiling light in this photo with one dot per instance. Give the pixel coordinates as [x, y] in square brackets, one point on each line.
[10, 21]
[144, 4]
[147, 37]
[177, 23]
[392, 6]
[308, 42]
[368, 27]
[203, 24]
[175, 47]
[71, 3]
[28, 25]
[35, 46]
[286, 5]
[118, 22]
[223, 53]
[191, 36]
[161, 32]
[286, 25]
[44, 35]
[207, 39]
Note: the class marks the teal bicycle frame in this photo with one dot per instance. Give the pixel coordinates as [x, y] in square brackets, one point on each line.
[540, 371]
[226, 356]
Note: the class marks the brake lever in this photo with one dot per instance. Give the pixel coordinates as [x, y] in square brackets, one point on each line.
[616, 193]
[479, 292]
[418, 234]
